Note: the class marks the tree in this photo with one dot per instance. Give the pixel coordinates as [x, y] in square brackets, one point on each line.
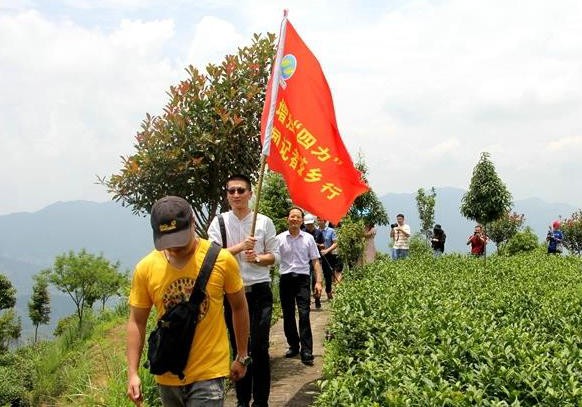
[350, 238]
[78, 276]
[521, 242]
[39, 304]
[504, 228]
[367, 207]
[110, 283]
[425, 204]
[487, 198]
[10, 326]
[275, 201]
[210, 129]
[572, 229]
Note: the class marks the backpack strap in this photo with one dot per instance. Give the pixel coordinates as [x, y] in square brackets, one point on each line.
[222, 229]
[199, 291]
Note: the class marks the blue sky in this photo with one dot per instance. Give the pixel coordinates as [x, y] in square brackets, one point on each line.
[421, 88]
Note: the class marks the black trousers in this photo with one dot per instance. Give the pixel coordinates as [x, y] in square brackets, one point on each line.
[328, 264]
[257, 382]
[294, 289]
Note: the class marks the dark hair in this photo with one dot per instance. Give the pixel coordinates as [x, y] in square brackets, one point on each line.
[400, 215]
[240, 177]
[297, 208]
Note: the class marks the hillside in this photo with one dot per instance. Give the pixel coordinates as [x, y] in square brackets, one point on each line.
[31, 242]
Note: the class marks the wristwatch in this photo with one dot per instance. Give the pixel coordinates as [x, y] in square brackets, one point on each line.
[244, 360]
[257, 260]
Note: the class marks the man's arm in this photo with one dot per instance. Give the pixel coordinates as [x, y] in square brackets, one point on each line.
[240, 321]
[136, 328]
[318, 277]
[270, 250]
[215, 236]
[405, 229]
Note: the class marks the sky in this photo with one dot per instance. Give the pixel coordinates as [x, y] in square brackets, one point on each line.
[421, 88]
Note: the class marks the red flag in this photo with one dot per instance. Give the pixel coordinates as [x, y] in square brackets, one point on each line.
[300, 134]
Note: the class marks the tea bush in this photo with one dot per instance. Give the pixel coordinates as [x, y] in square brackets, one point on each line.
[452, 332]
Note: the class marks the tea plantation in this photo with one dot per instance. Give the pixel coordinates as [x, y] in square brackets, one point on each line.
[456, 331]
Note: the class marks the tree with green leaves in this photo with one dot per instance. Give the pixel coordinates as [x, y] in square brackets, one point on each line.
[504, 228]
[39, 305]
[79, 276]
[425, 203]
[10, 326]
[275, 201]
[350, 240]
[367, 207]
[210, 129]
[110, 284]
[572, 229]
[487, 198]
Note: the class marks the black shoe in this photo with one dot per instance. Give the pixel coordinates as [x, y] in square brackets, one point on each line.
[291, 353]
[317, 303]
[307, 358]
[242, 404]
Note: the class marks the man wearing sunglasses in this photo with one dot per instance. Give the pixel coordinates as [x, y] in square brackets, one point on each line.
[255, 254]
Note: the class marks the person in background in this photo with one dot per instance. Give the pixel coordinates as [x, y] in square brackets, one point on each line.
[255, 255]
[328, 256]
[400, 234]
[297, 249]
[166, 275]
[369, 254]
[478, 241]
[555, 238]
[310, 228]
[438, 240]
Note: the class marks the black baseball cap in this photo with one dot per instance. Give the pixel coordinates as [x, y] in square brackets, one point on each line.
[171, 218]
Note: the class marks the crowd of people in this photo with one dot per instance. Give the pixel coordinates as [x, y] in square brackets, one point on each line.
[232, 334]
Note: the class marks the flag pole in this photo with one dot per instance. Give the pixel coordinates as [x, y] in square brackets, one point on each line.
[275, 77]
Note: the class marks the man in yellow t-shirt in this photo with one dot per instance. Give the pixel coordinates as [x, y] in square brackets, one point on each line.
[166, 276]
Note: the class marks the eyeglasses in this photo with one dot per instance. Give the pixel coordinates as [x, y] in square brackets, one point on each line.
[239, 190]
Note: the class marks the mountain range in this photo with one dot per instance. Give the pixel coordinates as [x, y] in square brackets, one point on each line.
[30, 242]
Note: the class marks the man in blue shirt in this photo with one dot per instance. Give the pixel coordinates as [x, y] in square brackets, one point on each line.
[328, 258]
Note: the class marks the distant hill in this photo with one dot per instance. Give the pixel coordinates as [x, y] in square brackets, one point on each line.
[30, 242]
[538, 214]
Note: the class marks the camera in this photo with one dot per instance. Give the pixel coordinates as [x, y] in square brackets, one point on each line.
[393, 225]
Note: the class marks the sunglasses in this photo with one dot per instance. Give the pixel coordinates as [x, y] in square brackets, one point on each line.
[239, 190]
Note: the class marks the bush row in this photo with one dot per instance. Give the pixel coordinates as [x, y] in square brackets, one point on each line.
[452, 331]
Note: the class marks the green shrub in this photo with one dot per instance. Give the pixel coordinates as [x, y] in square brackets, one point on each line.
[350, 240]
[450, 333]
[16, 372]
[521, 242]
[419, 246]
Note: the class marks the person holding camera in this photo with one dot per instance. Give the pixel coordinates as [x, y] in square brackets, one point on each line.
[478, 241]
[555, 238]
[400, 234]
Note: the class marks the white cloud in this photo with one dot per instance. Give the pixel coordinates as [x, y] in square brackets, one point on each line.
[72, 100]
[421, 85]
[213, 39]
[565, 144]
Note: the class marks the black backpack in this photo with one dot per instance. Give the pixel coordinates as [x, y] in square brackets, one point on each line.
[169, 344]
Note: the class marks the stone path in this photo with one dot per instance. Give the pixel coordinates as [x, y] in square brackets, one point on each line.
[292, 383]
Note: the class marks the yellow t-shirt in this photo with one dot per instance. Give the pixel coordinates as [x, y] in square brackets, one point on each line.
[156, 282]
